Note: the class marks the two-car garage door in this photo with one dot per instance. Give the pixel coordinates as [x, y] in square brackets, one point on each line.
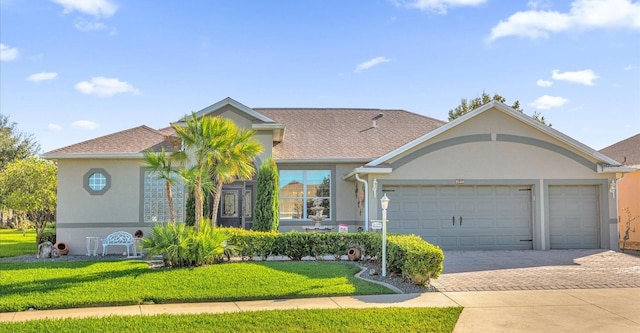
[463, 217]
[493, 217]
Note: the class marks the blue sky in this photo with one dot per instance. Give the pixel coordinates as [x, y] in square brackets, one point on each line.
[73, 70]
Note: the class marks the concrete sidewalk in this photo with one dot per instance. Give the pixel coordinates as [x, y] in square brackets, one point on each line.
[569, 310]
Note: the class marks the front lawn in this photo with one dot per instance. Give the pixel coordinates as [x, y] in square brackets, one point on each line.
[327, 320]
[55, 285]
[14, 243]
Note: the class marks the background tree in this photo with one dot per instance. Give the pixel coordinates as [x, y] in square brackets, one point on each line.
[160, 164]
[30, 186]
[14, 145]
[266, 216]
[467, 106]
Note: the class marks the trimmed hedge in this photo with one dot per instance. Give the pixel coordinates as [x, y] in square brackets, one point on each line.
[407, 255]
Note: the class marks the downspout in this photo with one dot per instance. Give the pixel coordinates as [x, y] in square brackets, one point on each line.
[617, 180]
[366, 202]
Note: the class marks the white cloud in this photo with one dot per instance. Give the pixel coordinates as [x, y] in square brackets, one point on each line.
[84, 25]
[8, 53]
[54, 127]
[437, 6]
[370, 63]
[84, 125]
[544, 83]
[43, 76]
[585, 77]
[583, 15]
[97, 8]
[104, 87]
[630, 67]
[547, 102]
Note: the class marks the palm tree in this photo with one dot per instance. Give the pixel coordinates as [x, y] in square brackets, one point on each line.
[221, 151]
[233, 158]
[160, 165]
[195, 138]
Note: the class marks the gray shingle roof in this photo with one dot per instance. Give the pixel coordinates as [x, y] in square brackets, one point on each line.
[313, 133]
[134, 140]
[628, 148]
[310, 134]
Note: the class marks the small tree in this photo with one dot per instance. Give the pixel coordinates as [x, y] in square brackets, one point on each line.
[14, 145]
[30, 186]
[266, 211]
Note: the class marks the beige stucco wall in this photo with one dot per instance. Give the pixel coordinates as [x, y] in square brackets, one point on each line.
[629, 198]
[502, 162]
[80, 214]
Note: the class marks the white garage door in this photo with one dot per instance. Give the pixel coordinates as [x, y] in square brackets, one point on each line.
[573, 217]
[463, 217]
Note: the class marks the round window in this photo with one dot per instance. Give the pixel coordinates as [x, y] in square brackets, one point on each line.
[97, 181]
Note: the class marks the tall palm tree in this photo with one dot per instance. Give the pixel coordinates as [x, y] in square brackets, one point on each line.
[195, 138]
[160, 164]
[235, 153]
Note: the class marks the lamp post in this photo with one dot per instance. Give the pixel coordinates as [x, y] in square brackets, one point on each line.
[384, 203]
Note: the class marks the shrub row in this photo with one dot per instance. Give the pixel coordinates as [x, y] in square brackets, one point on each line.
[407, 255]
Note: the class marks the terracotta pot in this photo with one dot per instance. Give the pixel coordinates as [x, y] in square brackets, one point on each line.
[63, 248]
[353, 254]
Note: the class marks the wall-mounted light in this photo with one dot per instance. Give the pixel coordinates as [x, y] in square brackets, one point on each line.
[612, 188]
[374, 186]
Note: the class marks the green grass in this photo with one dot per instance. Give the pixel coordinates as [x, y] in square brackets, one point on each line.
[55, 285]
[329, 320]
[14, 243]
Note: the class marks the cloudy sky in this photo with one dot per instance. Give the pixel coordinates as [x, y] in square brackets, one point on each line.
[73, 70]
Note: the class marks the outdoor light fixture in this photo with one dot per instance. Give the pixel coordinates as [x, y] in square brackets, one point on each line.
[384, 203]
[612, 188]
[374, 186]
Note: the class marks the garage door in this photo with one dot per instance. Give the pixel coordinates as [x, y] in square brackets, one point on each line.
[463, 217]
[573, 217]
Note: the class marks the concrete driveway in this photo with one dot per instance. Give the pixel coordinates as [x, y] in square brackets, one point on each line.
[537, 270]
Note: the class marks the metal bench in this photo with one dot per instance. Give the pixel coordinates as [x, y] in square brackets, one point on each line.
[120, 238]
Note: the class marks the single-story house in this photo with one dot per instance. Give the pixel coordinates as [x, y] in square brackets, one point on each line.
[492, 179]
[627, 152]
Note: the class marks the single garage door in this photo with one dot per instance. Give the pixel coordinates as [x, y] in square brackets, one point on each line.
[463, 217]
[573, 217]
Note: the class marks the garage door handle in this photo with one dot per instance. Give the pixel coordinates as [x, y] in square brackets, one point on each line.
[461, 220]
[453, 219]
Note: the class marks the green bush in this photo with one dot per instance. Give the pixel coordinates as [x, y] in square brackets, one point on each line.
[414, 258]
[266, 212]
[46, 236]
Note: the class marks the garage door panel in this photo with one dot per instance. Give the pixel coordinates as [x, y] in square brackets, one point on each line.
[574, 217]
[493, 217]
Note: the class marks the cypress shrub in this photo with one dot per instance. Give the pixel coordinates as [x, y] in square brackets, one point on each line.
[266, 211]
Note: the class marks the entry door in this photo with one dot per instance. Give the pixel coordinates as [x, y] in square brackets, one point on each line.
[236, 207]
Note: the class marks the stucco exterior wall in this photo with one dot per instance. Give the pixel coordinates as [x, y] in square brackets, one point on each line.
[80, 214]
[629, 197]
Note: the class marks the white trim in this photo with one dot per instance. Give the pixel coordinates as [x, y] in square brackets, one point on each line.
[505, 109]
[321, 161]
[366, 171]
[93, 156]
[616, 168]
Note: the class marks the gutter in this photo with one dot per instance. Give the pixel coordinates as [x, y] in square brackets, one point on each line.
[366, 202]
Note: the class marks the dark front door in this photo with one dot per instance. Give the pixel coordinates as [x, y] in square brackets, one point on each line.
[236, 206]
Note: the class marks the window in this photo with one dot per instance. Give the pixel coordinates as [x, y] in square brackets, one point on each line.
[156, 205]
[96, 181]
[298, 189]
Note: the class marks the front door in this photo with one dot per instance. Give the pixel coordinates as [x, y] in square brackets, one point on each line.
[236, 206]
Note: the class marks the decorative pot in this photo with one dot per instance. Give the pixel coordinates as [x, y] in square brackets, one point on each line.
[353, 254]
[63, 248]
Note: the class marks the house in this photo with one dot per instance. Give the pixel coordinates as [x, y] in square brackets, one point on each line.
[492, 179]
[628, 153]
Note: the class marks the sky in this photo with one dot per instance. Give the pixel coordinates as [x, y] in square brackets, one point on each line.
[73, 70]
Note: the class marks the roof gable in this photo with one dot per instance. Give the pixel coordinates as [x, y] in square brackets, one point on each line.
[505, 109]
[626, 151]
[249, 112]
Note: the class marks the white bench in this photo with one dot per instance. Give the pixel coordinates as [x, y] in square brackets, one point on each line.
[120, 238]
